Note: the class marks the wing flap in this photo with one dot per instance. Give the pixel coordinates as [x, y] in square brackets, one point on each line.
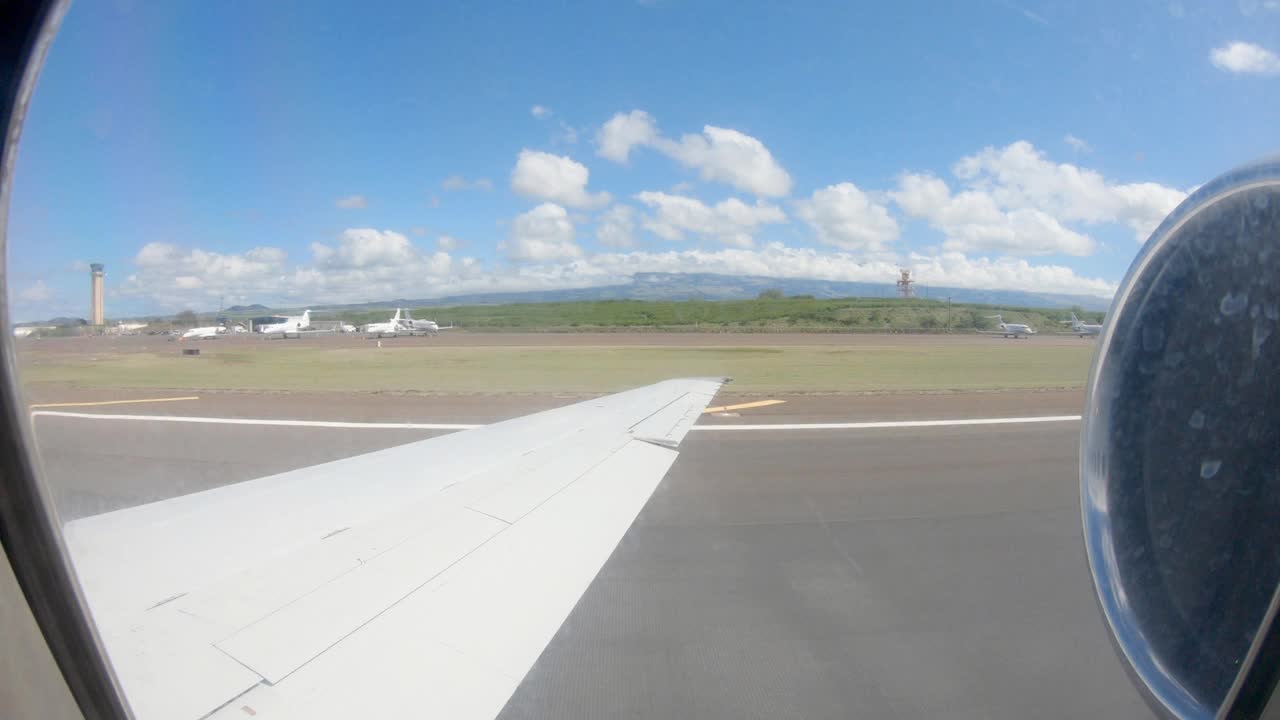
[481, 624]
[241, 599]
[509, 598]
[413, 677]
[669, 424]
[288, 637]
[165, 649]
[544, 473]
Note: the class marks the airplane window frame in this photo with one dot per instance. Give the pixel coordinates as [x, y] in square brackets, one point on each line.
[29, 529]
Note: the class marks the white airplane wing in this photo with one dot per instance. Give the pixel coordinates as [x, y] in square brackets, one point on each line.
[419, 581]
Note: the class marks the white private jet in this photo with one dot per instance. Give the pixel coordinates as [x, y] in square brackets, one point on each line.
[204, 333]
[130, 327]
[1014, 330]
[427, 327]
[1081, 328]
[290, 327]
[390, 328]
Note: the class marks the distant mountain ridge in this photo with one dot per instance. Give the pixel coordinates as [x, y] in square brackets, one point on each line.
[711, 286]
[702, 286]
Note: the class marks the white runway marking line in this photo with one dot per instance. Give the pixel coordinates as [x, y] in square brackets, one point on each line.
[892, 424]
[459, 426]
[258, 421]
[742, 406]
[114, 402]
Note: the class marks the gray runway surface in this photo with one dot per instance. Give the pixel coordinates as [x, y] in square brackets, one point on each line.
[883, 574]
[919, 573]
[94, 467]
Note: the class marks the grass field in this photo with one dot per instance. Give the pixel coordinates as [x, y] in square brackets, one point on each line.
[804, 368]
[869, 314]
[847, 314]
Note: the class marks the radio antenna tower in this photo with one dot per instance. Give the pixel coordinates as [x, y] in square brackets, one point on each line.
[906, 285]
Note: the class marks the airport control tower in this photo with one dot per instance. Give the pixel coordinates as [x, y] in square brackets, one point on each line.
[95, 289]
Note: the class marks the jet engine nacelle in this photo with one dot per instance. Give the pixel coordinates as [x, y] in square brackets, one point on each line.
[1180, 455]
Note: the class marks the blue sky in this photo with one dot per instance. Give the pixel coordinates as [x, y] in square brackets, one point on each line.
[318, 152]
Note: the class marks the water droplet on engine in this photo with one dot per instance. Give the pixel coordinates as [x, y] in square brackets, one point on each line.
[1209, 468]
[1233, 303]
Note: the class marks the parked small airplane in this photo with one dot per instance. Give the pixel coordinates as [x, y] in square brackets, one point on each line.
[428, 327]
[204, 333]
[1081, 328]
[290, 327]
[1014, 330]
[391, 328]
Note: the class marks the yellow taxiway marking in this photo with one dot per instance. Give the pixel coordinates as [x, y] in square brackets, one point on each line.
[743, 406]
[112, 402]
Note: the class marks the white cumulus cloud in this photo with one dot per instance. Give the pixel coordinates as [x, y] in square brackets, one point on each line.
[557, 178]
[948, 269]
[719, 154]
[1019, 177]
[1243, 57]
[1000, 207]
[624, 131]
[364, 264]
[846, 217]
[364, 247]
[568, 133]
[458, 182]
[972, 220]
[1077, 144]
[616, 227]
[540, 111]
[728, 156]
[174, 276]
[954, 269]
[1249, 7]
[730, 221]
[351, 202]
[267, 257]
[543, 234]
